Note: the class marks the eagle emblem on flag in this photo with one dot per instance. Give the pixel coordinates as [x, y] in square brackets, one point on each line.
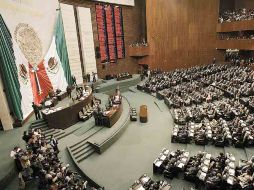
[53, 66]
[23, 73]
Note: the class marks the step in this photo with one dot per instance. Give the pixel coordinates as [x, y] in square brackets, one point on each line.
[78, 145]
[61, 135]
[79, 148]
[46, 132]
[38, 124]
[89, 153]
[88, 134]
[81, 131]
[82, 152]
[42, 128]
[38, 121]
[62, 132]
[92, 132]
[55, 132]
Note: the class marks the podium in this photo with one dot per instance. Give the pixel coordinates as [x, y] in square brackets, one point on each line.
[143, 114]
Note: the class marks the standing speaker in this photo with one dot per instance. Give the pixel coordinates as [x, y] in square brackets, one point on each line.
[97, 53]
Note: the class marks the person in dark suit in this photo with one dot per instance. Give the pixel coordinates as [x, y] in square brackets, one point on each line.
[94, 76]
[88, 77]
[68, 90]
[36, 111]
[54, 144]
[74, 80]
[214, 60]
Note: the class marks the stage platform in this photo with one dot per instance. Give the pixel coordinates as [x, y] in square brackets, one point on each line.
[96, 139]
[109, 86]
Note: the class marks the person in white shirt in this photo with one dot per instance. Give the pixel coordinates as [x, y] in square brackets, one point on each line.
[85, 93]
[148, 73]
[13, 155]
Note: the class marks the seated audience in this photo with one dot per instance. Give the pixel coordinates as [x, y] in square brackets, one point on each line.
[205, 100]
[205, 170]
[236, 15]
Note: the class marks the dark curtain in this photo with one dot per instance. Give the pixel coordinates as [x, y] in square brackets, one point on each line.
[8, 71]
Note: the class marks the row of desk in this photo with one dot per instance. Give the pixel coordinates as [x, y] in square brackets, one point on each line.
[124, 77]
[62, 117]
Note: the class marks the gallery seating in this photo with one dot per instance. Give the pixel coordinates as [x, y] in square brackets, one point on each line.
[236, 15]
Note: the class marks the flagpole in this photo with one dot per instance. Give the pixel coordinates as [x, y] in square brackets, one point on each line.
[35, 69]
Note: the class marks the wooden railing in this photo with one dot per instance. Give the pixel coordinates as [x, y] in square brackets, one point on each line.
[139, 51]
[246, 44]
[235, 26]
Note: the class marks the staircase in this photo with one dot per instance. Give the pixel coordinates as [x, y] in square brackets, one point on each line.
[43, 126]
[81, 150]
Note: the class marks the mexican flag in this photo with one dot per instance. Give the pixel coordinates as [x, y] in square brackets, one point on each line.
[54, 68]
[24, 80]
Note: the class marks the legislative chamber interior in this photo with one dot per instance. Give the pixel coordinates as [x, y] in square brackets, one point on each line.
[127, 94]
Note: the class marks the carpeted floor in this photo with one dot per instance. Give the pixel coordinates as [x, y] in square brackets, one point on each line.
[132, 154]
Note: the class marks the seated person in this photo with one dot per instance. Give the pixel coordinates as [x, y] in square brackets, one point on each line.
[85, 92]
[51, 94]
[58, 91]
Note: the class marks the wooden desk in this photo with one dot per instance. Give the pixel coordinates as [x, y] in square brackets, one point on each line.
[124, 77]
[67, 115]
[143, 114]
[48, 103]
[61, 95]
[109, 119]
[112, 117]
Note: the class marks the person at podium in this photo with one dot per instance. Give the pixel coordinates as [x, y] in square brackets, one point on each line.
[117, 98]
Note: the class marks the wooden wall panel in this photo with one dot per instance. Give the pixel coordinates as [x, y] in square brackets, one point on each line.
[227, 5]
[181, 33]
[120, 2]
[235, 44]
[248, 4]
[132, 18]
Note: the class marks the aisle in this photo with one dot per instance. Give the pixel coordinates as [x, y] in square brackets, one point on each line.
[134, 152]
